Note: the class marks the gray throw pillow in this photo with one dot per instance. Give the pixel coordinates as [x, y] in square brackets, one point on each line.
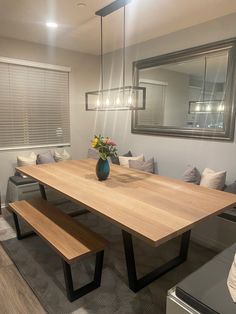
[147, 166]
[115, 160]
[93, 153]
[192, 175]
[45, 158]
[231, 188]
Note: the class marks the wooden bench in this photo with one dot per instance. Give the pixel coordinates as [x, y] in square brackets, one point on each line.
[70, 239]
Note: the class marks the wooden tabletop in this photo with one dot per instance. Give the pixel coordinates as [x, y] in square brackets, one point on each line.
[151, 207]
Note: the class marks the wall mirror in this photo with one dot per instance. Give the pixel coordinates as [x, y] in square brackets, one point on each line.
[189, 93]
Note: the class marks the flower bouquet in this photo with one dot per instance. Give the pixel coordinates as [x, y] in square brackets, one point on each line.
[106, 148]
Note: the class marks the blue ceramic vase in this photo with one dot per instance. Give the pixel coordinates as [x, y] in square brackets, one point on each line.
[102, 169]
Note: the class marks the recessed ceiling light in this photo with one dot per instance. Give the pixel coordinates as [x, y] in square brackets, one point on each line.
[52, 24]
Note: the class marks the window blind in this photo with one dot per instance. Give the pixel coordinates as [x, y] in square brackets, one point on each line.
[34, 107]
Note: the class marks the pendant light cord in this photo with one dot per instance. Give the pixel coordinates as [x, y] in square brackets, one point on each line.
[204, 79]
[124, 40]
[124, 57]
[102, 75]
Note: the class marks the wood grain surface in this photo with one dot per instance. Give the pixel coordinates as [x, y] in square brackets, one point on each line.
[152, 207]
[4, 258]
[67, 236]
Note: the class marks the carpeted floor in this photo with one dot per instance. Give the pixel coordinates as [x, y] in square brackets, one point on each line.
[42, 269]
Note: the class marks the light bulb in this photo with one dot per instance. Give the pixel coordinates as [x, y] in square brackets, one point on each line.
[130, 100]
[117, 100]
[197, 108]
[107, 102]
[98, 103]
[220, 108]
[208, 108]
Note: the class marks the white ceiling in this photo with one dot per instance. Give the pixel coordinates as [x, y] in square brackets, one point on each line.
[79, 28]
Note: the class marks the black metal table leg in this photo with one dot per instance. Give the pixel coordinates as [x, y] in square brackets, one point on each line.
[136, 284]
[19, 234]
[75, 294]
[42, 191]
[184, 245]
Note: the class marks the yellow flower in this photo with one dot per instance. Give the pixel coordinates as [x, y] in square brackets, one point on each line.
[94, 142]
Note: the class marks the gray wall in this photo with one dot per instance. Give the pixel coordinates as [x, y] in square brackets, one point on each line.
[176, 94]
[174, 154]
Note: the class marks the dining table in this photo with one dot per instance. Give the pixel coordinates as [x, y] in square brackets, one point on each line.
[151, 207]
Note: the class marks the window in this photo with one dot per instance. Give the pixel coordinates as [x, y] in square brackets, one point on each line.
[34, 105]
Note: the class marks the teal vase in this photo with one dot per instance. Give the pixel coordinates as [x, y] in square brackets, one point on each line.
[102, 169]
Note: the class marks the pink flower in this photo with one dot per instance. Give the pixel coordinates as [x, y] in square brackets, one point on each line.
[110, 142]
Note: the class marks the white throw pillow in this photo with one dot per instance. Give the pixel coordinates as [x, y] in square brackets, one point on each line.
[124, 161]
[212, 179]
[26, 161]
[64, 155]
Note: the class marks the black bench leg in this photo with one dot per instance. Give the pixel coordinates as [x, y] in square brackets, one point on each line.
[136, 284]
[75, 294]
[42, 191]
[20, 235]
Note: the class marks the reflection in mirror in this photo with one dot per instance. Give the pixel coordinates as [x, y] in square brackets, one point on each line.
[188, 94]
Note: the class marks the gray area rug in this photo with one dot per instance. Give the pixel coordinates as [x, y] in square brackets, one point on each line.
[42, 270]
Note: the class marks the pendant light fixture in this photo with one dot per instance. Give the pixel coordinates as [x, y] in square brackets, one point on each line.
[123, 97]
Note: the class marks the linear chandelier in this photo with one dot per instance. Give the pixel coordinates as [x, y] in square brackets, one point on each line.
[119, 98]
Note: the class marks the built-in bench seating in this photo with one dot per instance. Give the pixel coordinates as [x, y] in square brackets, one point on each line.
[69, 238]
[23, 188]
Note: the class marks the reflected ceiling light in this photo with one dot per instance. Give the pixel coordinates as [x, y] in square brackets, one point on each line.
[51, 24]
[120, 98]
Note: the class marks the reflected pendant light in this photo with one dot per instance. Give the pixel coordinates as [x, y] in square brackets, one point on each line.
[120, 98]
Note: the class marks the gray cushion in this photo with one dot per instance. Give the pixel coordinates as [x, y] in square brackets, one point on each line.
[45, 158]
[93, 153]
[115, 160]
[192, 175]
[147, 166]
[18, 180]
[231, 188]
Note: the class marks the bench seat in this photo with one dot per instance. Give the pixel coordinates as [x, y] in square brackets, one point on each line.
[69, 238]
